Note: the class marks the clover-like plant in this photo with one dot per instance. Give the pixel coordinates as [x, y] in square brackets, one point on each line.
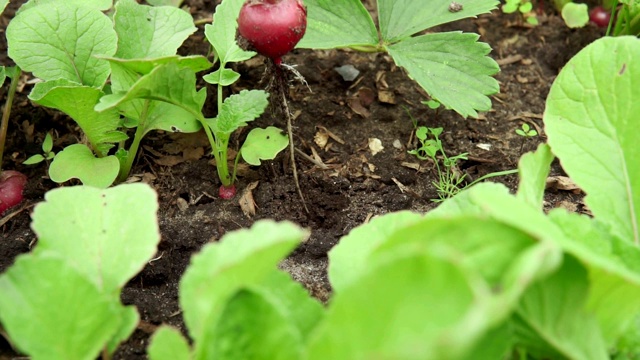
[452, 67]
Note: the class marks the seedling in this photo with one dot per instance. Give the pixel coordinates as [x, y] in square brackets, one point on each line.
[47, 154]
[449, 176]
[525, 131]
[524, 7]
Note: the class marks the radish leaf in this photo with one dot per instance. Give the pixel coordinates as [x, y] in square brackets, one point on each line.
[238, 109]
[50, 291]
[222, 33]
[452, 67]
[590, 124]
[159, 31]
[167, 343]
[78, 102]
[78, 162]
[534, 169]
[263, 144]
[57, 46]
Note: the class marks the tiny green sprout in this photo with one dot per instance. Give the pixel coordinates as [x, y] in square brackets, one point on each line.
[47, 153]
[524, 7]
[526, 131]
[432, 104]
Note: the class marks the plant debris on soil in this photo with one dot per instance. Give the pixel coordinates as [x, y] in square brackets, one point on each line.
[353, 137]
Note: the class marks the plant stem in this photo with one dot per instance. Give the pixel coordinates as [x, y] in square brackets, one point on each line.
[4, 125]
[125, 168]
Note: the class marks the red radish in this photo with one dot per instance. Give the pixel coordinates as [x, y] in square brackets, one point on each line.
[227, 192]
[273, 27]
[11, 185]
[599, 16]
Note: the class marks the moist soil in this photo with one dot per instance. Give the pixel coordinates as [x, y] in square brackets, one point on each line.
[335, 123]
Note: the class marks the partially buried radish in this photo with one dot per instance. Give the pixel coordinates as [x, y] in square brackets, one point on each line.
[273, 27]
[11, 185]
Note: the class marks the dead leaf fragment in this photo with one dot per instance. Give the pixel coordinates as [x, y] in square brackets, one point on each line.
[246, 202]
[321, 138]
[375, 145]
[387, 97]
[562, 183]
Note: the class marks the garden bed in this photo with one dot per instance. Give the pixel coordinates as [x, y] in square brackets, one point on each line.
[355, 183]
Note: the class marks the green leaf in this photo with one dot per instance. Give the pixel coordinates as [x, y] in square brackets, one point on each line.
[452, 67]
[222, 33]
[168, 83]
[78, 102]
[253, 326]
[159, 31]
[101, 5]
[169, 117]
[175, 3]
[348, 260]
[263, 144]
[510, 7]
[552, 322]
[400, 19]
[575, 15]
[34, 159]
[412, 307]
[52, 311]
[59, 40]
[328, 19]
[241, 258]
[3, 5]
[3, 73]
[303, 311]
[47, 144]
[78, 162]
[196, 63]
[534, 169]
[589, 120]
[238, 109]
[525, 7]
[224, 77]
[167, 343]
[129, 319]
[97, 231]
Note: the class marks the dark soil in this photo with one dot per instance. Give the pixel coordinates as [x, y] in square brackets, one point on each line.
[356, 184]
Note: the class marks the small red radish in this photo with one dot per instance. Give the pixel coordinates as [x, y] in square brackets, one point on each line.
[599, 16]
[273, 27]
[227, 192]
[11, 185]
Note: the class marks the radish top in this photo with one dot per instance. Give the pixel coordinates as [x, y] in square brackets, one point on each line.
[273, 27]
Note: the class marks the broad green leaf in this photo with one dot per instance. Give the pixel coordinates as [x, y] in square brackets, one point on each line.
[452, 67]
[241, 258]
[78, 102]
[168, 83]
[552, 322]
[159, 31]
[590, 121]
[101, 5]
[263, 144]
[534, 169]
[238, 109]
[175, 3]
[253, 326]
[3, 4]
[196, 63]
[575, 15]
[58, 40]
[615, 285]
[303, 311]
[222, 33]
[415, 306]
[129, 319]
[167, 343]
[348, 260]
[338, 23]
[53, 311]
[400, 19]
[97, 231]
[34, 159]
[224, 77]
[78, 162]
[169, 117]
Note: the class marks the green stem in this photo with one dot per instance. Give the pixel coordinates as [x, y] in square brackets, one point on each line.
[368, 48]
[613, 15]
[125, 168]
[4, 125]
[493, 174]
[235, 166]
[221, 147]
